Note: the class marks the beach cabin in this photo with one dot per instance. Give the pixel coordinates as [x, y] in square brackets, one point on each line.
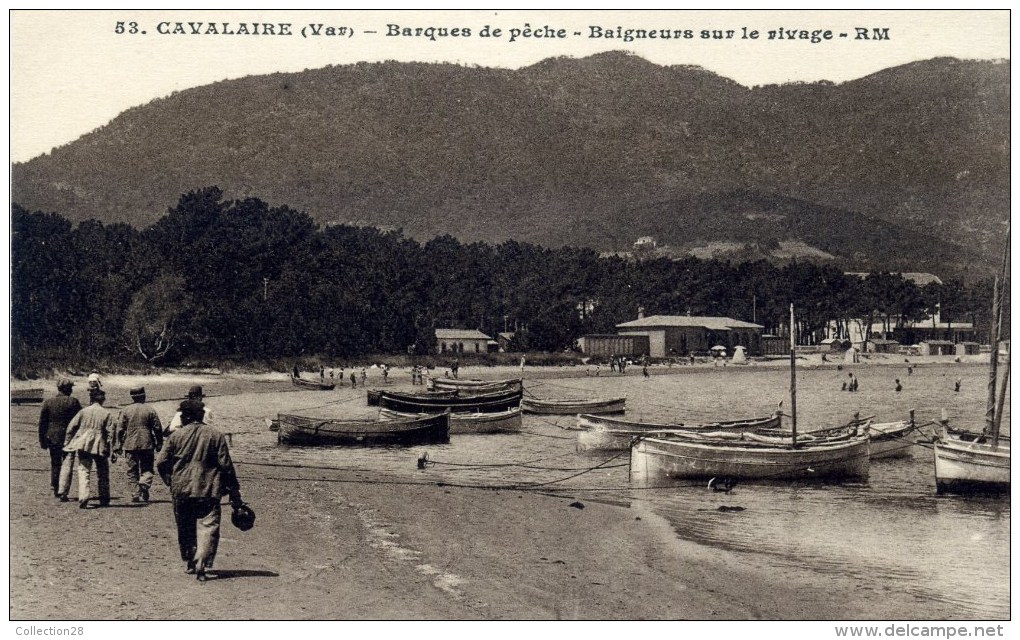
[968, 349]
[775, 346]
[505, 340]
[462, 341]
[833, 345]
[878, 345]
[937, 348]
[611, 344]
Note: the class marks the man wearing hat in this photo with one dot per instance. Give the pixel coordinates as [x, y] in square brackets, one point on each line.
[195, 463]
[194, 393]
[140, 433]
[89, 435]
[56, 413]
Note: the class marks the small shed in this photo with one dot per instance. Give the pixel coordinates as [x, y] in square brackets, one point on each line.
[909, 350]
[775, 345]
[937, 348]
[968, 349]
[834, 345]
[879, 345]
[505, 338]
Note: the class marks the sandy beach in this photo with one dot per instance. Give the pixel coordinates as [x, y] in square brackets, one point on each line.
[350, 544]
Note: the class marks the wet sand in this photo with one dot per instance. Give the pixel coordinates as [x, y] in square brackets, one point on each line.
[351, 544]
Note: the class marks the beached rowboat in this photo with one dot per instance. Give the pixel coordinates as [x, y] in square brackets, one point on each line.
[568, 407]
[480, 403]
[312, 384]
[478, 386]
[19, 396]
[301, 430]
[374, 395]
[749, 457]
[599, 433]
[502, 421]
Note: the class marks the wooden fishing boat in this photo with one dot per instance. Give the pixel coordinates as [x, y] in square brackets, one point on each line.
[890, 439]
[301, 430]
[478, 386]
[971, 463]
[763, 454]
[19, 396]
[312, 384]
[374, 395]
[460, 423]
[479, 403]
[599, 433]
[748, 457]
[968, 462]
[568, 407]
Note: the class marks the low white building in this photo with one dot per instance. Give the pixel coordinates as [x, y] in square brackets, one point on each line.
[461, 341]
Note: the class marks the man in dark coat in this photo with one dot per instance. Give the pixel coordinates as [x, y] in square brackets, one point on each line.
[56, 413]
[195, 463]
[139, 434]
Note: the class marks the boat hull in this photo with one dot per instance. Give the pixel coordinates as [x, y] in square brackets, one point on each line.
[311, 384]
[890, 440]
[654, 460]
[971, 467]
[462, 423]
[482, 403]
[477, 386]
[596, 433]
[574, 407]
[303, 431]
[19, 396]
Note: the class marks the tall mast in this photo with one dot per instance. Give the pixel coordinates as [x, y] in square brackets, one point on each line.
[997, 288]
[1002, 400]
[793, 377]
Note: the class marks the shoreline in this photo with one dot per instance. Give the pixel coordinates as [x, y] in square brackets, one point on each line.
[401, 376]
[360, 544]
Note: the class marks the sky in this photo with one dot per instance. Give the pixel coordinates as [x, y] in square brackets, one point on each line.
[72, 72]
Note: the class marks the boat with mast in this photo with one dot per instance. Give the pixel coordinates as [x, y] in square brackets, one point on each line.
[970, 462]
[841, 453]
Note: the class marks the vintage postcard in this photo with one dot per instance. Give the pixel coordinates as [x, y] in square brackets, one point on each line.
[327, 315]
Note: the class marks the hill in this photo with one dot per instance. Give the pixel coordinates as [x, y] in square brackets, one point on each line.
[911, 162]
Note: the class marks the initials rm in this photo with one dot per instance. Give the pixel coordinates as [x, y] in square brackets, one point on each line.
[871, 34]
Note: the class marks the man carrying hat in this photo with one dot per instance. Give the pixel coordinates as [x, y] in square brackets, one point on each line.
[88, 437]
[195, 463]
[139, 433]
[56, 413]
[194, 393]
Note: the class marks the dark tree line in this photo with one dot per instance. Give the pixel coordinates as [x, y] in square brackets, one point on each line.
[218, 278]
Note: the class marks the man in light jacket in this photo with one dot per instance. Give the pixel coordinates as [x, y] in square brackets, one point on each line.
[88, 437]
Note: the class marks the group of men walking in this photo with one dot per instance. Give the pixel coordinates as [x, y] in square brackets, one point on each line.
[193, 460]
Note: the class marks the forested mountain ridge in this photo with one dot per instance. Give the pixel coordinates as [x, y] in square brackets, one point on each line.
[905, 169]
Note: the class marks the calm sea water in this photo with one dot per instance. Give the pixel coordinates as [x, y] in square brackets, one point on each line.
[891, 532]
